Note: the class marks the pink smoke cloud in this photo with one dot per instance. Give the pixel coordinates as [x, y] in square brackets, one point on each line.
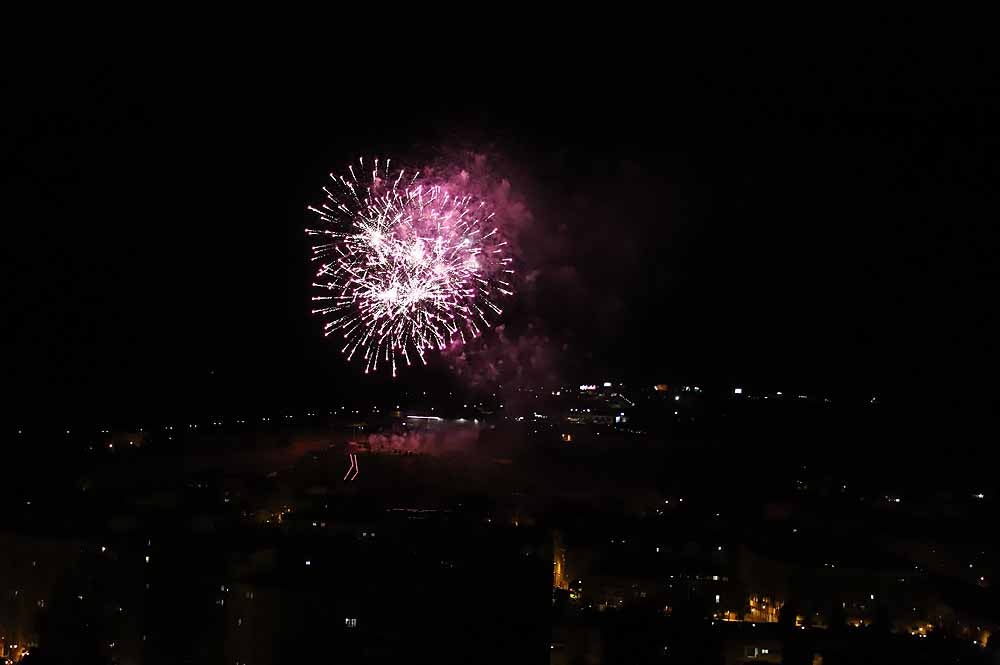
[426, 442]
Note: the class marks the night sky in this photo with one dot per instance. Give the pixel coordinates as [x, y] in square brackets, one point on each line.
[827, 227]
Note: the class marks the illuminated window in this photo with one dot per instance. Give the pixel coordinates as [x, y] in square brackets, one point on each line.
[351, 622]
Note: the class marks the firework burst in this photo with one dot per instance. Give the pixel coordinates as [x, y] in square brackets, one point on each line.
[404, 266]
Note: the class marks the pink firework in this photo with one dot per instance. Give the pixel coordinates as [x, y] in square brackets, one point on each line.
[404, 266]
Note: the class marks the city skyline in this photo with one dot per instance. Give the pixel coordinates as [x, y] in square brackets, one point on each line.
[592, 356]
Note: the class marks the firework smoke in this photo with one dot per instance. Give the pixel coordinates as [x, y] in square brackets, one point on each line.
[406, 265]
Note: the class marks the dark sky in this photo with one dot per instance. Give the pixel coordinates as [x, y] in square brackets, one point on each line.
[829, 226]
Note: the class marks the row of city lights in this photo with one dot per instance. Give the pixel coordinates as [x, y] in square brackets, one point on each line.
[243, 421]
[375, 409]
